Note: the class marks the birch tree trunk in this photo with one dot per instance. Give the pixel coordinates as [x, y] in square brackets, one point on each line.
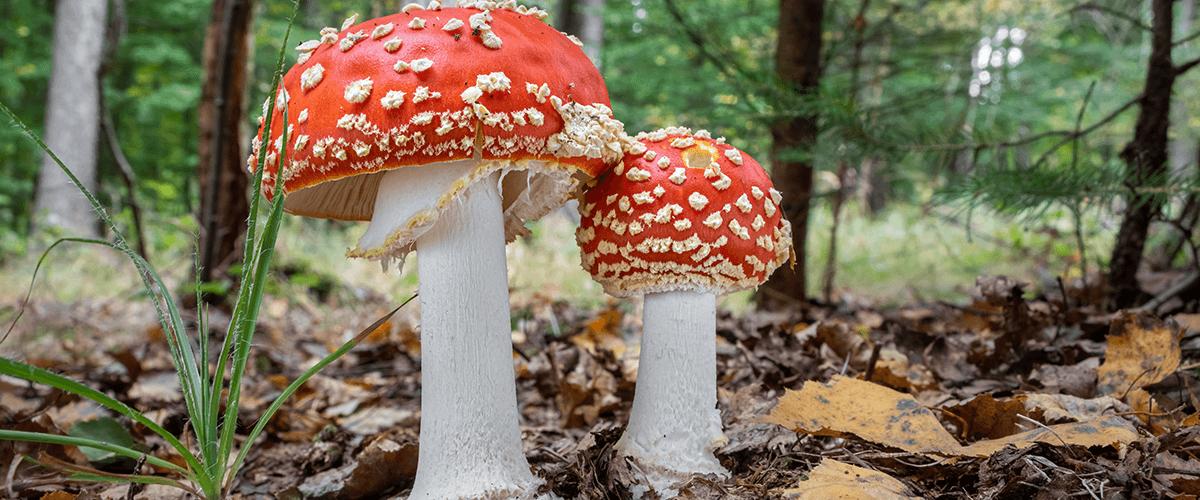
[73, 116]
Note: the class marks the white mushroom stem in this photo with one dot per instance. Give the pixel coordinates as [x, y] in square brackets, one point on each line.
[470, 443]
[675, 425]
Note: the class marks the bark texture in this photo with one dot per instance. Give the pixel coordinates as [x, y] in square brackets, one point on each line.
[1146, 161]
[224, 185]
[798, 63]
[73, 116]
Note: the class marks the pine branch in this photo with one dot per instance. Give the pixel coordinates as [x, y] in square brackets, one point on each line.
[1067, 135]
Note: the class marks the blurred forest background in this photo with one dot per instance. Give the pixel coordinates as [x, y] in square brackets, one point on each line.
[921, 142]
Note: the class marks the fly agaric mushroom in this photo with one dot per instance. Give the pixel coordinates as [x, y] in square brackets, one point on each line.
[447, 129]
[684, 219]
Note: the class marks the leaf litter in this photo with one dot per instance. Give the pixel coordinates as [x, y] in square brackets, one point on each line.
[1006, 396]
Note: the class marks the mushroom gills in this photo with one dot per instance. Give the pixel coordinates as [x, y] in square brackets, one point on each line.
[675, 426]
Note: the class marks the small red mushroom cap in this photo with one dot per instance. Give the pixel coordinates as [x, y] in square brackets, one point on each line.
[682, 212]
[488, 80]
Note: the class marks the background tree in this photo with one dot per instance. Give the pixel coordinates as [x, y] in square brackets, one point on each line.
[73, 114]
[221, 167]
[798, 64]
[585, 19]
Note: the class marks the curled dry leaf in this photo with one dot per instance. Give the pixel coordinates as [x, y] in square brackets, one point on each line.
[832, 479]
[894, 370]
[988, 417]
[875, 413]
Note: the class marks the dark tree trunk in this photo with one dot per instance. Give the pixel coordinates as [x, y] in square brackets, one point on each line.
[1146, 161]
[224, 206]
[798, 64]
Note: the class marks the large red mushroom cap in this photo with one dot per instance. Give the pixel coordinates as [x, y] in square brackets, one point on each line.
[683, 211]
[489, 81]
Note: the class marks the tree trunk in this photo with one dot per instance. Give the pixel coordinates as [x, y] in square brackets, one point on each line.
[73, 116]
[798, 64]
[585, 19]
[1146, 162]
[223, 183]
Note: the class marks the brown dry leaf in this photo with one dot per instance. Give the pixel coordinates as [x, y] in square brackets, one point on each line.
[832, 479]
[986, 417]
[602, 334]
[1189, 322]
[1141, 351]
[893, 370]
[58, 495]
[389, 461]
[875, 413]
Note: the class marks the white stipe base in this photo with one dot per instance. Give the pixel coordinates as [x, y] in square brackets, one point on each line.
[675, 425]
[470, 443]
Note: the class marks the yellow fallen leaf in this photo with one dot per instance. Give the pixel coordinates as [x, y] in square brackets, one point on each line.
[1141, 351]
[873, 412]
[851, 407]
[835, 480]
[893, 370]
[1102, 432]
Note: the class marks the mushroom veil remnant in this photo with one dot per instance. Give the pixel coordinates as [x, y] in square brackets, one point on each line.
[684, 219]
[447, 129]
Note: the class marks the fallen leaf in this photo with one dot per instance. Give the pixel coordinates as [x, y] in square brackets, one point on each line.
[987, 417]
[104, 429]
[58, 495]
[893, 370]
[832, 479]
[602, 334]
[385, 463]
[847, 406]
[1141, 351]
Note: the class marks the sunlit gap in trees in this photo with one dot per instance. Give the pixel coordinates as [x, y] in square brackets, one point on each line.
[995, 54]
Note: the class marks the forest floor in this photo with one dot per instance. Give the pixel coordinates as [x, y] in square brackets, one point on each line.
[1003, 394]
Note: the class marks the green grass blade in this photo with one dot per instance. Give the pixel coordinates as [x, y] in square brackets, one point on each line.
[29, 290]
[88, 474]
[243, 329]
[45, 377]
[291, 389]
[41, 437]
[164, 305]
[251, 236]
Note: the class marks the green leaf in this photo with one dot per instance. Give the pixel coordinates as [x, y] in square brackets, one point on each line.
[103, 429]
